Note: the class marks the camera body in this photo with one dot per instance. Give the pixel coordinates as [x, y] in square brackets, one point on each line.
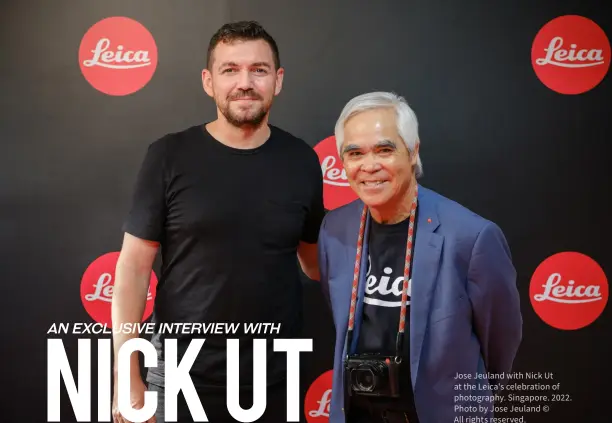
[372, 375]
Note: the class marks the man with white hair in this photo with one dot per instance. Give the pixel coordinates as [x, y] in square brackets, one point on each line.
[423, 291]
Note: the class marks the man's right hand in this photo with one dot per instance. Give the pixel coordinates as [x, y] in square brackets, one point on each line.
[137, 391]
[132, 278]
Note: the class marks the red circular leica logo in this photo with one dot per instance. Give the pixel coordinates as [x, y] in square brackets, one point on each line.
[97, 289]
[569, 291]
[336, 189]
[118, 56]
[318, 399]
[571, 54]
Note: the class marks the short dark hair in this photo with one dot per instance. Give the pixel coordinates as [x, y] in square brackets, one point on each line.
[242, 31]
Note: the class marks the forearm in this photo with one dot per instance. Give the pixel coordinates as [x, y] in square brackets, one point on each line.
[129, 300]
[308, 259]
[311, 270]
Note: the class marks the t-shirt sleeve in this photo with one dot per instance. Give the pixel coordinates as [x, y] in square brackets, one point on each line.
[316, 212]
[147, 214]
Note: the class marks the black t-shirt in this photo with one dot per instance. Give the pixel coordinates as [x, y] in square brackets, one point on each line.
[381, 308]
[229, 222]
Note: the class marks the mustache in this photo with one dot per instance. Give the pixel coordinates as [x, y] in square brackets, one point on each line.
[245, 94]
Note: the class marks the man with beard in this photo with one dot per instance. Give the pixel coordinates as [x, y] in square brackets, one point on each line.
[235, 206]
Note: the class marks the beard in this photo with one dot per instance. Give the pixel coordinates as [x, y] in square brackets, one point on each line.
[252, 117]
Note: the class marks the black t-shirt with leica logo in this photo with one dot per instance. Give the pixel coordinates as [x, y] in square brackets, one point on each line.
[382, 303]
[229, 222]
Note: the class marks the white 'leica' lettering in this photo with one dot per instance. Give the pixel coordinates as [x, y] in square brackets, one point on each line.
[324, 404]
[104, 291]
[331, 174]
[557, 56]
[383, 287]
[568, 294]
[373, 286]
[118, 59]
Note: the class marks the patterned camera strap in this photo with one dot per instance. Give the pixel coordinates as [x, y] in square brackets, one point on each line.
[409, 243]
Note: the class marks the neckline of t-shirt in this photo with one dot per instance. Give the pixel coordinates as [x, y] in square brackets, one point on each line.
[233, 150]
[393, 227]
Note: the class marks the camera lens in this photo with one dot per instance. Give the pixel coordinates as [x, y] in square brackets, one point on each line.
[365, 380]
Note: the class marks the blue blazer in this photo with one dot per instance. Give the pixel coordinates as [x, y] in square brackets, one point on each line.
[465, 315]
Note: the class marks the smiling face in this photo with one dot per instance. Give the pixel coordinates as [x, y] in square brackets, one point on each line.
[378, 165]
[243, 81]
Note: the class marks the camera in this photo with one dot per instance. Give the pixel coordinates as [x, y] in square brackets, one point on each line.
[372, 375]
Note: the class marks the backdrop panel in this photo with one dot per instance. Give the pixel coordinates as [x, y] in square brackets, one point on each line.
[498, 134]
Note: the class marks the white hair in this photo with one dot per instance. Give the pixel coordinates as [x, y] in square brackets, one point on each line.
[407, 124]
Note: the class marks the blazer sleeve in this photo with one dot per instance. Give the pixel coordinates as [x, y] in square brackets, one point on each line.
[323, 260]
[495, 300]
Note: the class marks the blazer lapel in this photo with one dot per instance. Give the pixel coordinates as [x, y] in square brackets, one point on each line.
[362, 275]
[427, 249]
